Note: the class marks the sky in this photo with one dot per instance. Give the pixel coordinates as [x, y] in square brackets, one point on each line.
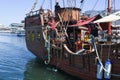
[14, 11]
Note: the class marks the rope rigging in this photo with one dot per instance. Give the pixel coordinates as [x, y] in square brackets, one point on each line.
[82, 4]
[42, 3]
[94, 6]
[105, 13]
[98, 57]
[34, 5]
[71, 3]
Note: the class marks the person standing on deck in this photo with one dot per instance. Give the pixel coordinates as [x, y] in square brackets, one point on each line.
[57, 6]
[94, 29]
[94, 33]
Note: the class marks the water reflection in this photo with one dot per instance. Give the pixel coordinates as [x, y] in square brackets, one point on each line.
[17, 63]
[36, 70]
[13, 57]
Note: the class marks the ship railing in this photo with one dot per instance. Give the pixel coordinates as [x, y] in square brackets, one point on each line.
[33, 13]
[45, 11]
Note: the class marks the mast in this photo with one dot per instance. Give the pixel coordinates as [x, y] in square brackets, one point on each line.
[64, 3]
[109, 24]
[51, 4]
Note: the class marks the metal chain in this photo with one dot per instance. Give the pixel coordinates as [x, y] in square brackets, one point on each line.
[34, 5]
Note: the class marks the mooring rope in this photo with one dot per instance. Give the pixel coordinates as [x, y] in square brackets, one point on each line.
[98, 57]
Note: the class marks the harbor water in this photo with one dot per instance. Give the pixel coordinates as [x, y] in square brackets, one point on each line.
[17, 63]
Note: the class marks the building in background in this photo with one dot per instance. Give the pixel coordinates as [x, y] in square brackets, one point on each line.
[4, 29]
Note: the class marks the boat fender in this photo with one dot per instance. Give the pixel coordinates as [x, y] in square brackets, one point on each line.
[107, 73]
[99, 71]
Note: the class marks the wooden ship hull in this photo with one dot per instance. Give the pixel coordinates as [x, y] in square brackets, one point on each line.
[75, 58]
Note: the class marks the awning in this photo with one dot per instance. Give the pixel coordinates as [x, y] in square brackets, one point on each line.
[83, 22]
[112, 17]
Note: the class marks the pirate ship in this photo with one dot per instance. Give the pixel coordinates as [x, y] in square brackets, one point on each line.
[70, 41]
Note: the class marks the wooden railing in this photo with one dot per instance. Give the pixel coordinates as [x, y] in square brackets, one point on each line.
[33, 13]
